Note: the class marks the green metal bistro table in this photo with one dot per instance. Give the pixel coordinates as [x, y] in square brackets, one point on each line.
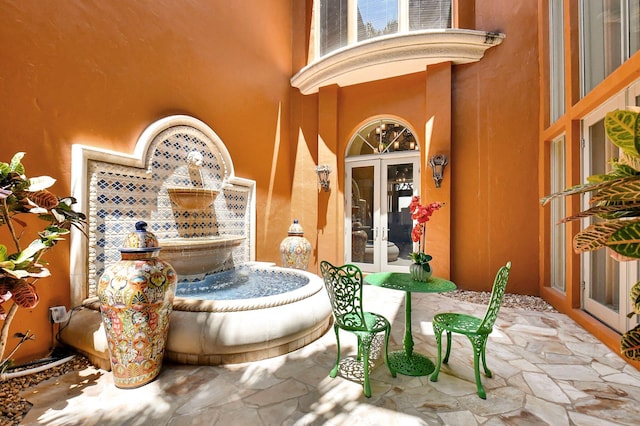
[407, 361]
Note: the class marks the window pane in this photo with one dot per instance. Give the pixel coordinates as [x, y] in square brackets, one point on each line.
[557, 254]
[602, 40]
[605, 273]
[381, 137]
[556, 59]
[634, 27]
[333, 25]
[377, 18]
[429, 14]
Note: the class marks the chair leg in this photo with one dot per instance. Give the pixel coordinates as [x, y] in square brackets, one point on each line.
[487, 372]
[359, 355]
[366, 347]
[334, 371]
[437, 331]
[477, 342]
[446, 357]
[387, 333]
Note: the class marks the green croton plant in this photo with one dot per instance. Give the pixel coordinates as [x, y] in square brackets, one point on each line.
[615, 201]
[21, 266]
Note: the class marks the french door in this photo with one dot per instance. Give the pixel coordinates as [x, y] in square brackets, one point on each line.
[378, 194]
[606, 282]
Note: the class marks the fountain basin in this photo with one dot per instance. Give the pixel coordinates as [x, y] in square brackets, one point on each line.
[192, 198]
[213, 332]
[193, 256]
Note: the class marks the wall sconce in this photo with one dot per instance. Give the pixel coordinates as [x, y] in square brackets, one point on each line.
[437, 163]
[323, 172]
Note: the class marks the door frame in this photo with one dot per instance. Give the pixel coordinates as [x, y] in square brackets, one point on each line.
[380, 211]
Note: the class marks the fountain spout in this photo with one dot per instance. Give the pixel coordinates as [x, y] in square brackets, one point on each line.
[195, 197]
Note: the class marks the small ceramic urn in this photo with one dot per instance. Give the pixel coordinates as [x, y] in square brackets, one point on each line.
[136, 299]
[295, 249]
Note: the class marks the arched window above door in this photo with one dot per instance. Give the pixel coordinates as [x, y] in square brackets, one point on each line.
[381, 137]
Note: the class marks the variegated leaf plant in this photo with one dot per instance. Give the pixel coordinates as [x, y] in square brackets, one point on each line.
[615, 201]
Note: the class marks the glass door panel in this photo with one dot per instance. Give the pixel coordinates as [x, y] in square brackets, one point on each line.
[364, 223]
[397, 244]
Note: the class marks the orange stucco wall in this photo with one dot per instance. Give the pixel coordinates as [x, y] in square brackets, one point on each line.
[98, 73]
[494, 159]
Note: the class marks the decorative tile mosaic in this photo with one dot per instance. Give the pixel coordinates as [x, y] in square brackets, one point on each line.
[119, 196]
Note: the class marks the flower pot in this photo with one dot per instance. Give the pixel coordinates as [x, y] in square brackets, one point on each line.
[136, 298]
[418, 272]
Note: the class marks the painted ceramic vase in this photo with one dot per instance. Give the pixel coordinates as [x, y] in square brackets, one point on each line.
[295, 249]
[136, 298]
[418, 273]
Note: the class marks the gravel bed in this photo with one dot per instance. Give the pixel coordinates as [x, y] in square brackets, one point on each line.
[517, 301]
[13, 408]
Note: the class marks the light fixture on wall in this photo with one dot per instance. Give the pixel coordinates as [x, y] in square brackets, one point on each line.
[437, 163]
[323, 172]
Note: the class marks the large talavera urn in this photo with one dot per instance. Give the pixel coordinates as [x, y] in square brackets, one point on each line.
[136, 298]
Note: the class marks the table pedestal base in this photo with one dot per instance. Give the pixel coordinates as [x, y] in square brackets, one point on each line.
[415, 365]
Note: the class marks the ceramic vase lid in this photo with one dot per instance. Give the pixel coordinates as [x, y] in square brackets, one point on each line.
[140, 240]
[295, 229]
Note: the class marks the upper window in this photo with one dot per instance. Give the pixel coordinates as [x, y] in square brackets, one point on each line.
[345, 22]
[381, 137]
[610, 34]
[556, 60]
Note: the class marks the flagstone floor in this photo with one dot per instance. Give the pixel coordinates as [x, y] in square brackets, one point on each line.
[547, 371]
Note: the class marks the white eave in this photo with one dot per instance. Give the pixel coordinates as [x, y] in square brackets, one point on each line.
[393, 56]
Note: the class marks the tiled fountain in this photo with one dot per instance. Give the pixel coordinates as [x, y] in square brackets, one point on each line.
[181, 181]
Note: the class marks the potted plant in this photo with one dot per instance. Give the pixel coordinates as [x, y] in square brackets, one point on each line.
[420, 269]
[22, 266]
[615, 200]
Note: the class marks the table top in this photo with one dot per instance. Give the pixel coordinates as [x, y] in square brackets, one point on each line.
[403, 281]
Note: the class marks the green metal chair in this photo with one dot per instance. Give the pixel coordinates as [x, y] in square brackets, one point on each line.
[344, 286]
[476, 329]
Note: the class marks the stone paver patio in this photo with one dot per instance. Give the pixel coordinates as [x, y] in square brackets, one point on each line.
[547, 370]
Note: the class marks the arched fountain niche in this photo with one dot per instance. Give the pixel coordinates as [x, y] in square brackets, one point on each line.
[180, 180]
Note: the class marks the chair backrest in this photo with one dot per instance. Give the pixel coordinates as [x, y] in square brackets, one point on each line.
[344, 286]
[497, 294]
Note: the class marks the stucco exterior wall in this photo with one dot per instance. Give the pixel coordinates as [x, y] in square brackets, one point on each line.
[98, 73]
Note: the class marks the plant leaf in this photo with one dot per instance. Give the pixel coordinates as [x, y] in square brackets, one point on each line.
[626, 240]
[630, 161]
[634, 295]
[579, 189]
[28, 253]
[630, 344]
[16, 165]
[614, 209]
[40, 182]
[596, 235]
[620, 126]
[626, 189]
[4, 253]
